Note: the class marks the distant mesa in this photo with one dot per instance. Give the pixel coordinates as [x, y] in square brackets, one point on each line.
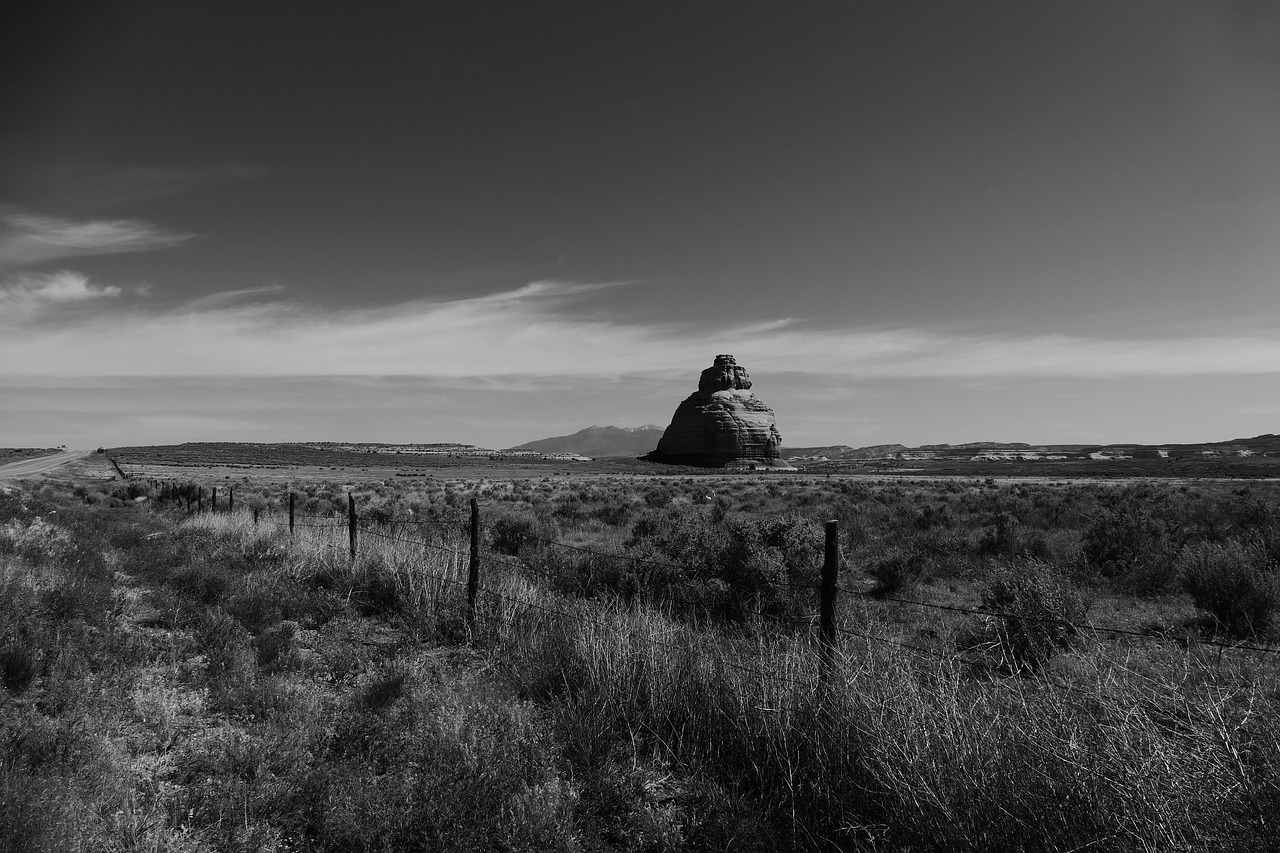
[1257, 448]
[722, 424]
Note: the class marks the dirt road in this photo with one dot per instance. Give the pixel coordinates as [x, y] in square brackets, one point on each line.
[40, 465]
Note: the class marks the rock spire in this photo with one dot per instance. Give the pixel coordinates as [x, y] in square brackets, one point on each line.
[722, 423]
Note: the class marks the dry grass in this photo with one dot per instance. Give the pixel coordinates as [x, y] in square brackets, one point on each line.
[213, 684]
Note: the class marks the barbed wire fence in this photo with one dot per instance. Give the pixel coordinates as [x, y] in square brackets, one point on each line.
[822, 626]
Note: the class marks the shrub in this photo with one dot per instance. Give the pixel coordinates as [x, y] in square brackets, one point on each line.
[900, 570]
[1043, 608]
[681, 537]
[1007, 536]
[512, 532]
[1001, 538]
[658, 497]
[86, 598]
[613, 513]
[229, 658]
[17, 668]
[203, 582]
[255, 603]
[800, 541]
[1236, 584]
[1129, 540]
[380, 513]
[569, 510]
[278, 647]
[261, 599]
[754, 572]
[381, 692]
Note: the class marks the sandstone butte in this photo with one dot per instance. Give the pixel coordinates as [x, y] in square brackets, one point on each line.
[722, 423]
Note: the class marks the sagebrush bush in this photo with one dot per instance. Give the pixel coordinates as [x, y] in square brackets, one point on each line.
[614, 513]
[381, 692]
[277, 647]
[18, 667]
[899, 571]
[1043, 607]
[1131, 542]
[511, 532]
[86, 598]
[730, 569]
[204, 581]
[1236, 583]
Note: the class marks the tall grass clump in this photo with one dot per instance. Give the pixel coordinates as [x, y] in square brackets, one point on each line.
[893, 752]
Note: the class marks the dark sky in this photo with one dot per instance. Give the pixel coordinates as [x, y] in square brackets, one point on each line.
[1011, 169]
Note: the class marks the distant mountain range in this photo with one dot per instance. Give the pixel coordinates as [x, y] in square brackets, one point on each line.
[600, 441]
[1267, 445]
[606, 441]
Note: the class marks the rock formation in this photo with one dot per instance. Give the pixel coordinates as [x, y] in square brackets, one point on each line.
[722, 423]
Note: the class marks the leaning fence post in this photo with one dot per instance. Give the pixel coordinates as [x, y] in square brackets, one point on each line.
[351, 522]
[291, 515]
[827, 601]
[473, 570]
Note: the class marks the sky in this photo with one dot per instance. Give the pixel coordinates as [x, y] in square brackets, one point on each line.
[484, 222]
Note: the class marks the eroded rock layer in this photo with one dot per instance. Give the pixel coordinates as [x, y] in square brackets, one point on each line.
[721, 423]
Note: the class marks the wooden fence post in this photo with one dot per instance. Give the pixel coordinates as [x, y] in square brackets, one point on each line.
[290, 515]
[473, 570]
[827, 601]
[351, 523]
[213, 499]
[231, 499]
[255, 516]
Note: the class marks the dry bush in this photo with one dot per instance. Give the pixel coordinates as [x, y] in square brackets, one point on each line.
[900, 570]
[1043, 608]
[1236, 583]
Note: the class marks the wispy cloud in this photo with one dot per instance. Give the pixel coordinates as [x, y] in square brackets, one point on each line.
[539, 331]
[916, 353]
[227, 297]
[29, 239]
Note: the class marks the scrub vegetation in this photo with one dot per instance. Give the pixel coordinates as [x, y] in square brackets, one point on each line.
[642, 670]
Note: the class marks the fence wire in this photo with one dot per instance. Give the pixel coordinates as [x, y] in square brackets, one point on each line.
[694, 573]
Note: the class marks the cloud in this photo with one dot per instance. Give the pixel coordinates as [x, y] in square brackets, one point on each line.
[227, 297]
[916, 353]
[537, 333]
[30, 239]
[29, 294]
